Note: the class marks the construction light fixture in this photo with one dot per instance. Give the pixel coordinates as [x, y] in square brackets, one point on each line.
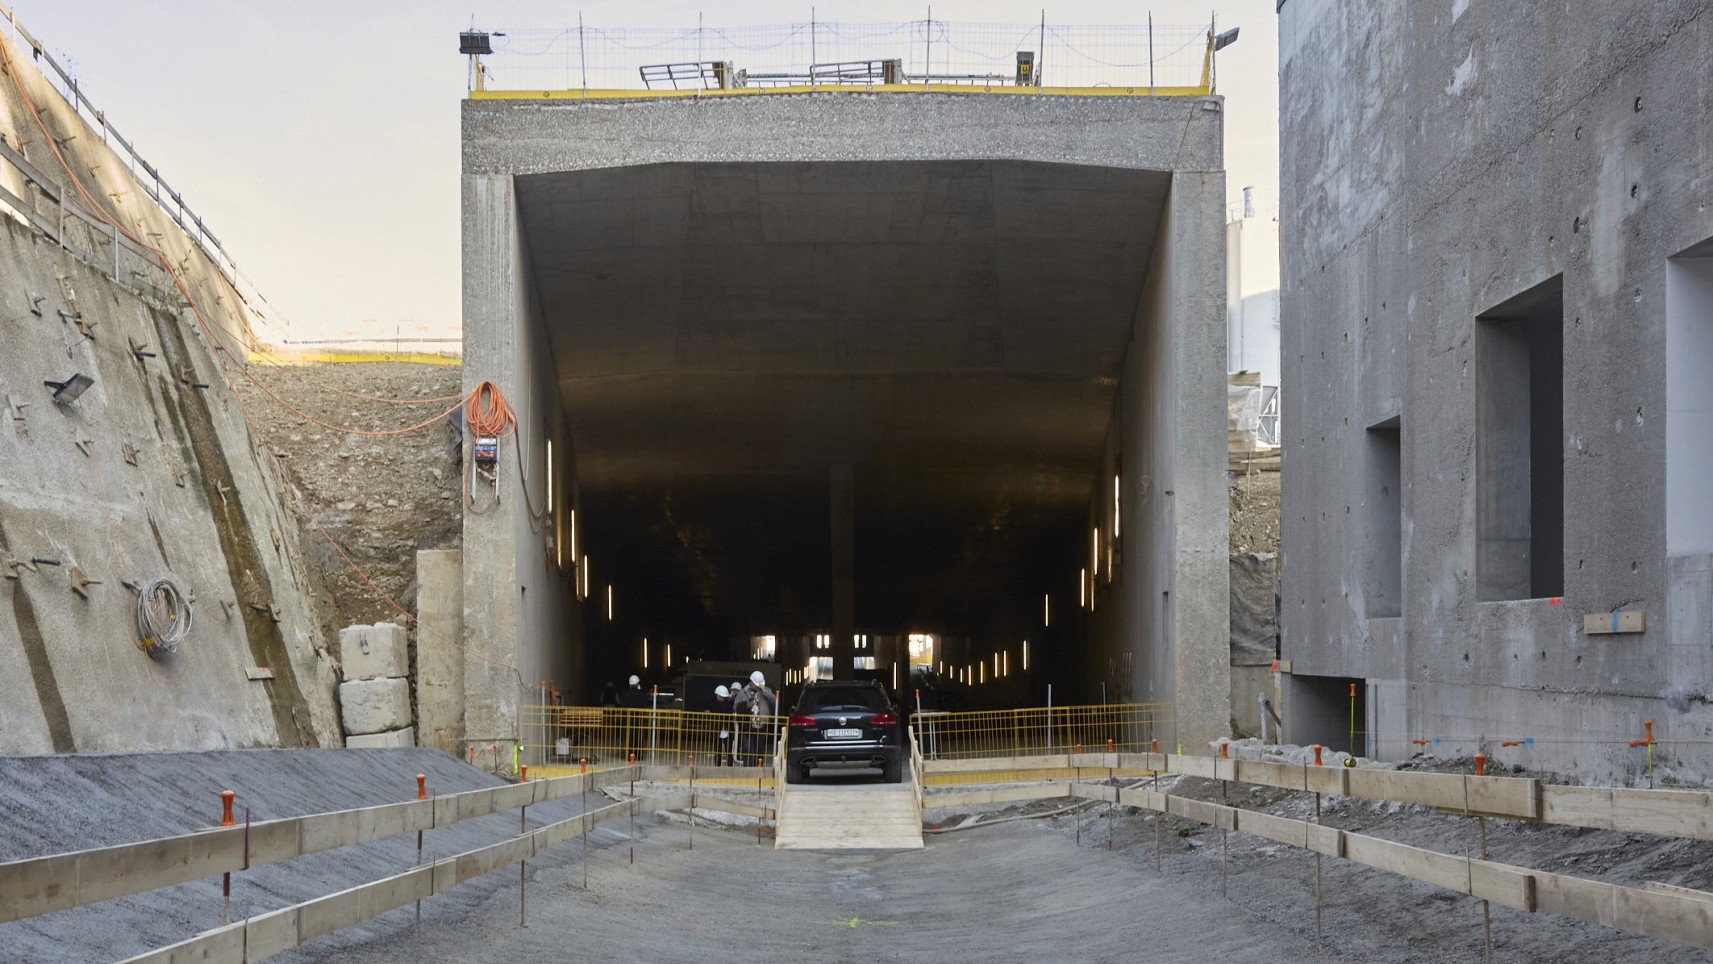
[1082, 586]
[1094, 550]
[609, 603]
[1225, 39]
[1047, 609]
[549, 476]
[1025, 656]
[645, 652]
[668, 663]
[67, 391]
[1117, 507]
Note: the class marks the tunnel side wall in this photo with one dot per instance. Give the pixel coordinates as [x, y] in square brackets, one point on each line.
[522, 623]
[1442, 159]
[1162, 618]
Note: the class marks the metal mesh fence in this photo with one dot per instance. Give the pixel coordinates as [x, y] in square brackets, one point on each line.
[598, 57]
[607, 736]
[1131, 728]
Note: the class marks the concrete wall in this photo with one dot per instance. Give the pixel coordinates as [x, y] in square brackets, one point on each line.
[144, 476]
[1442, 159]
[1170, 607]
[1170, 619]
[440, 648]
[521, 623]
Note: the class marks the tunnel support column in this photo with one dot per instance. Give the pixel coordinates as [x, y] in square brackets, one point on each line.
[841, 486]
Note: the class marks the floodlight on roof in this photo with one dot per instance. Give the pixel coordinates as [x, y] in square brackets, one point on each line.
[1225, 39]
[474, 42]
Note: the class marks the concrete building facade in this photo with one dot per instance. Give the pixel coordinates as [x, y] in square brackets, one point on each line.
[850, 363]
[1498, 342]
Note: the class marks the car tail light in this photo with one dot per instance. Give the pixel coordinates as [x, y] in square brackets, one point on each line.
[802, 720]
[883, 718]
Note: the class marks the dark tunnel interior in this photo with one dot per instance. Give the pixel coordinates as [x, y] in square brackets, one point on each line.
[726, 335]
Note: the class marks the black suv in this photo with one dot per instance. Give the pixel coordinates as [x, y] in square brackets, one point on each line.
[844, 723]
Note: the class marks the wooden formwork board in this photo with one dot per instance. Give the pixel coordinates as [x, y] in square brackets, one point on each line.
[975, 798]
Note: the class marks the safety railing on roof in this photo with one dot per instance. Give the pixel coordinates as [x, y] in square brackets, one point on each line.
[590, 60]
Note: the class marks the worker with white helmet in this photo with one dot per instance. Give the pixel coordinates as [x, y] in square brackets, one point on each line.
[763, 705]
[767, 704]
[723, 704]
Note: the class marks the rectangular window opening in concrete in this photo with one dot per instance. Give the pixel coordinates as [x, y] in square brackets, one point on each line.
[1329, 710]
[1519, 434]
[1689, 401]
[1384, 541]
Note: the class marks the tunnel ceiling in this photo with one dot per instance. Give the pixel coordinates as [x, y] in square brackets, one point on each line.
[724, 333]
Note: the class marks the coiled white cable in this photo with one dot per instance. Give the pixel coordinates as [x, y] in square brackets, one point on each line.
[163, 618]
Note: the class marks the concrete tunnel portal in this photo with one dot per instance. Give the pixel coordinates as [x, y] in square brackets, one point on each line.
[797, 383]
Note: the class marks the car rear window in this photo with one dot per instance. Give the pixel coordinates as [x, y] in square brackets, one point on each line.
[820, 699]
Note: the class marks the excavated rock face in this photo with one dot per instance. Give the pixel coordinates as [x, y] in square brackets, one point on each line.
[380, 497]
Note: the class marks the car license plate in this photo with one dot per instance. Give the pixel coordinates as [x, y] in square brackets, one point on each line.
[836, 734]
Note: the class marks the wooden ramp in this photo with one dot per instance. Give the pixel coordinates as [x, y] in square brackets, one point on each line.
[880, 816]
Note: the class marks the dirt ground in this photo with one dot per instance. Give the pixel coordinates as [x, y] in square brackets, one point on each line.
[1049, 880]
[1254, 500]
[381, 497]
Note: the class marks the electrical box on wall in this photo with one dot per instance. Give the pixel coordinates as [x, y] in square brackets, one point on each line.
[485, 451]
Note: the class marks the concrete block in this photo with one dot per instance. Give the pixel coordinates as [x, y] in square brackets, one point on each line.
[374, 652]
[439, 653]
[374, 706]
[391, 740]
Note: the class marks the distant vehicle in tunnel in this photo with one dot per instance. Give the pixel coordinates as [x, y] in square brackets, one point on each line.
[844, 724]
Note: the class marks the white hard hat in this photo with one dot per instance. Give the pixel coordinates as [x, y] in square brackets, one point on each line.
[722, 692]
[635, 680]
[757, 678]
[736, 686]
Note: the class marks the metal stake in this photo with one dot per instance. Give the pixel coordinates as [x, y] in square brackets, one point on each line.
[1318, 934]
[1486, 905]
[522, 869]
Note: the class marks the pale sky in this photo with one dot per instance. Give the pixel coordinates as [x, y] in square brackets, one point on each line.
[319, 139]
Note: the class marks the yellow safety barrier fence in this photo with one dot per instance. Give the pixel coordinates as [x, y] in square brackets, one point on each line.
[1038, 731]
[559, 739]
[1122, 727]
